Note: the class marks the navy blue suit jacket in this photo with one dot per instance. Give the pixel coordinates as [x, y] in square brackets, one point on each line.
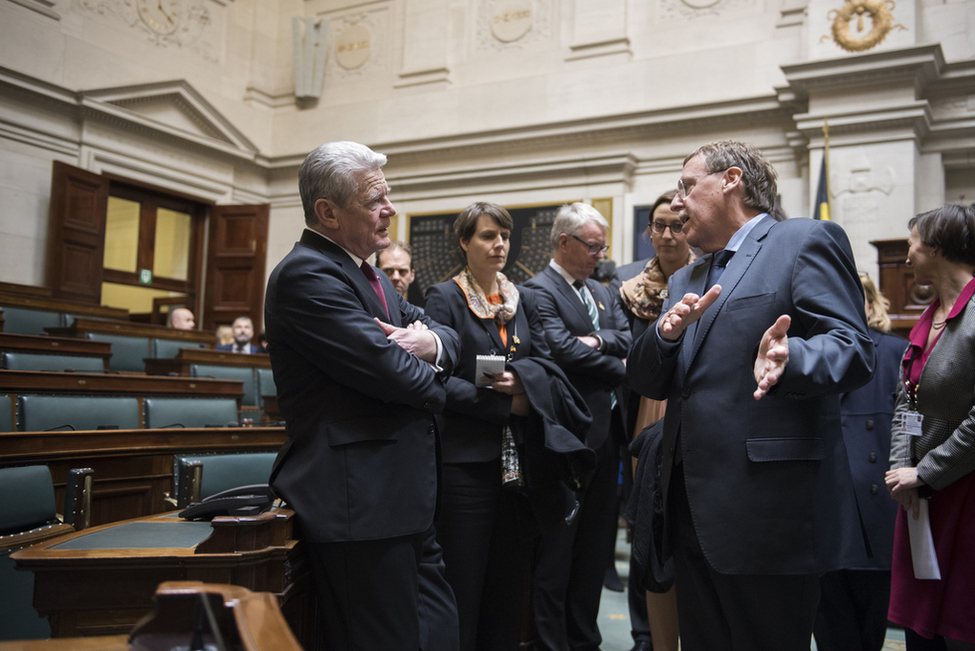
[767, 481]
[593, 373]
[361, 461]
[230, 347]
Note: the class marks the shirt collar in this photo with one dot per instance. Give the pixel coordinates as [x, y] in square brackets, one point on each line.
[358, 261]
[736, 240]
[562, 272]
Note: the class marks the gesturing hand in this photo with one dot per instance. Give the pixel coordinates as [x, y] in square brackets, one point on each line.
[414, 339]
[688, 310]
[773, 356]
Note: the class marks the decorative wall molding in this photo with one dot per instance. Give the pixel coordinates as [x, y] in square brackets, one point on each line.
[498, 24]
[182, 24]
[43, 7]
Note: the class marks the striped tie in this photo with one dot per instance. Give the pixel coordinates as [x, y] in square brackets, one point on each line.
[594, 317]
[590, 307]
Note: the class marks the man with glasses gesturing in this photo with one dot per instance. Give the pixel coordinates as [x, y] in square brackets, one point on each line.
[755, 479]
[589, 338]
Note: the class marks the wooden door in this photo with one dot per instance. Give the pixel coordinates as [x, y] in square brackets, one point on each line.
[236, 259]
[76, 233]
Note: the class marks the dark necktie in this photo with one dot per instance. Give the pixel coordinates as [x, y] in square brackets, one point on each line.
[370, 275]
[718, 263]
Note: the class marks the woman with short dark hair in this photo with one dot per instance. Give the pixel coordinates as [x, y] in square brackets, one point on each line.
[932, 451]
[485, 530]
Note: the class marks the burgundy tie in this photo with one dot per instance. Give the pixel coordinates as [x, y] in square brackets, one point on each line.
[376, 286]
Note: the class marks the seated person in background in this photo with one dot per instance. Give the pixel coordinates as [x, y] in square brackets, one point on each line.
[182, 319]
[396, 261]
[224, 335]
[243, 330]
[262, 342]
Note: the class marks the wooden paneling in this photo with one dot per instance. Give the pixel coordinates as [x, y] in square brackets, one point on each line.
[76, 233]
[907, 300]
[236, 261]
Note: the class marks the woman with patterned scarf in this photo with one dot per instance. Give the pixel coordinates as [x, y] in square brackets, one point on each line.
[642, 297]
[483, 528]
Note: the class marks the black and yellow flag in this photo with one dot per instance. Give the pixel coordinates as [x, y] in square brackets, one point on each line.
[821, 209]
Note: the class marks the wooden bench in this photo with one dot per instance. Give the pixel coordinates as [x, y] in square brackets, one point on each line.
[60, 346]
[133, 468]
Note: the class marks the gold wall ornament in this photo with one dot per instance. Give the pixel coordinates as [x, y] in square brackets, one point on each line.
[881, 19]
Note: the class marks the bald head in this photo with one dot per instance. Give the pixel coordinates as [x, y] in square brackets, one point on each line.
[182, 319]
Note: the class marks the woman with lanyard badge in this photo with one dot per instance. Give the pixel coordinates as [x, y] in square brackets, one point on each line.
[485, 531]
[932, 451]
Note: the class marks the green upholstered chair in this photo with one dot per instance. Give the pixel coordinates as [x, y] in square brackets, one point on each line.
[18, 361]
[24, 321]
[39, 413]
[265, 385]
[128, 353]
[197, 477]
[7, 423]
[188, 412]
[243, 373]
[28, 515]
[170, 347]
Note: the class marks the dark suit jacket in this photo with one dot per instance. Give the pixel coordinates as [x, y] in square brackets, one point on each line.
[473, 418]
[230, 347]
[767, 480]
[359, 409]
[867, 413]
[594, 373]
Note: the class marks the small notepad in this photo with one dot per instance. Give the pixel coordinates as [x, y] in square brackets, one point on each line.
[492, 364]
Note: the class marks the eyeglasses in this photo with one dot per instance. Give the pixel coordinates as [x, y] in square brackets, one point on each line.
[660, 227]
[683, 190]
[594, 247]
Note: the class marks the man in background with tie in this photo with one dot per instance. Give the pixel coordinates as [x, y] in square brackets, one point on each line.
[589, 338]
[754, 346]
[360, 375]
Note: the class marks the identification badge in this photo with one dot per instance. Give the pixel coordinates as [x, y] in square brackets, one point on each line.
[912, 423]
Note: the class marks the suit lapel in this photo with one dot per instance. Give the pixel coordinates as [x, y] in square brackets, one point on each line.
[571, 297]
[695, 285]
[732, 275]
[370, 302]
[601, 306]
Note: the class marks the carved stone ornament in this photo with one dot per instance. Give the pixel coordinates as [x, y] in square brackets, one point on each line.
[511, 20]
[353, 46]
[165, 23]
[881, 18]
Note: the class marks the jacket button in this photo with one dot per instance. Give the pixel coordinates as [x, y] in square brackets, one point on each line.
[686, 393]
[869, 425]
[873, 489]
[872, 458]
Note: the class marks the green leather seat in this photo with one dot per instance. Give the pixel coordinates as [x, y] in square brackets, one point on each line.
[28, 503]
[223, 471]
[128, 353]
[170, 347]
[189, 412]
[243, 373]
[17, 361]
[265, 385]
[7, 423]
[24, 321]
[38, 413]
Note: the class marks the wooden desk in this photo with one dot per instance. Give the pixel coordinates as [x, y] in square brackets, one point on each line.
[180, 365]
[249, 621]
[39, 344]
[133, 468]
[101, 581]
[118, 385]
[45, 303]
[82, 326]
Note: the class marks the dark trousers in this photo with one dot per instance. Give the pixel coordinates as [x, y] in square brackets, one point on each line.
[487, 549]
[852, 613]
[735, 612]
[571, 563]
[636, 600]
[386, 594]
